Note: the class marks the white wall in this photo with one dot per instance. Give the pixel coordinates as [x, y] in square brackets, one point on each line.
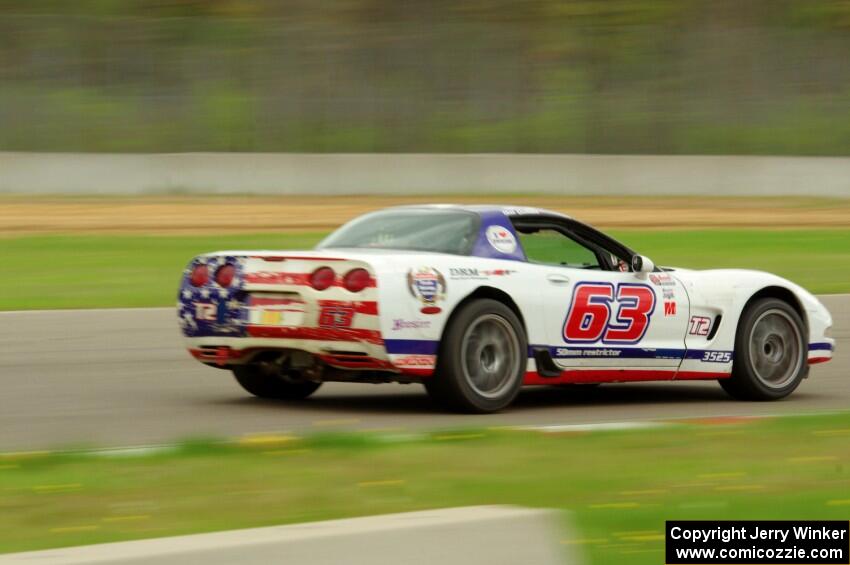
[486, 535]
[69, 173]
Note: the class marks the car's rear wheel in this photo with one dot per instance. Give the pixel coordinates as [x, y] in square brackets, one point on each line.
[482, 358]
[770, 352]
[267, 380]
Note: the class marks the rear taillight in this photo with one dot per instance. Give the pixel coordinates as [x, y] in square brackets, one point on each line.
[356, 280]
[224, 275]
[200, 275]
[322, 278]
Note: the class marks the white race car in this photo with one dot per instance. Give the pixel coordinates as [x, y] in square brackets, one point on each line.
[476, 301]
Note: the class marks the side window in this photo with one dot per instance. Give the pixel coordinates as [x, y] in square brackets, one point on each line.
[551, 247]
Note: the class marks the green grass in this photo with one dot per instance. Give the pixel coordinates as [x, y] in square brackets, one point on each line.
[112, 271]
[819, 260]
[134, 271]
[614, 483]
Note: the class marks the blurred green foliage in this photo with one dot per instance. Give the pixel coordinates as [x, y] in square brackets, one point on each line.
[581, 76]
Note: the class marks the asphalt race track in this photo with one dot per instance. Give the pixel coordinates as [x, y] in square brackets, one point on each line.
[121, 377]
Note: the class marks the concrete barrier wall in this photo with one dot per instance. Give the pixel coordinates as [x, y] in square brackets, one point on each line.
[252, 173]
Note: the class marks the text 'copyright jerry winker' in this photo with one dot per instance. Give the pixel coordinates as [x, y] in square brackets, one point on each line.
[757, 542]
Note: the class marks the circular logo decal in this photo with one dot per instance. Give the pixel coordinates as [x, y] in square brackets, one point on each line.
[428, 285]
[501, 239]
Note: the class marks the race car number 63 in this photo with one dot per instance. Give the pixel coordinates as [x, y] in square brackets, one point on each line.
[601, 311]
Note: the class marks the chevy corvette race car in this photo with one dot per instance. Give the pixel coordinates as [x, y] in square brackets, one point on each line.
[476, 301]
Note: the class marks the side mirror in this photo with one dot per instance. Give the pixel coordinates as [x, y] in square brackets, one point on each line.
[641, 264]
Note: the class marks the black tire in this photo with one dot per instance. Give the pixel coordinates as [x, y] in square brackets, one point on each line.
[771, 351]
[264, 381]
[482, 359]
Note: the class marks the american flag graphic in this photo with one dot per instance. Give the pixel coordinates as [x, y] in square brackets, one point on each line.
[221, 310]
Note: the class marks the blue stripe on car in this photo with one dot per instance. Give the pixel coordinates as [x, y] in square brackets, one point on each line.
[430, 347]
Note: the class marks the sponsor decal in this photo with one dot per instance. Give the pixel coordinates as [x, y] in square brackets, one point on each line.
[716, 357]
[621, 353]
[399, 324]
[662, 279]
[274, 277]
[599, 311]
[336, 316]
[414, 361]
[465, 273]
[427, 285]
[461, 273]
[565, 352]
[700, 325]
[669, 308]
[520, 211]
[501, 239]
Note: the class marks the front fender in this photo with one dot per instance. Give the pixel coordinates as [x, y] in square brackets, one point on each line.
[726, 292]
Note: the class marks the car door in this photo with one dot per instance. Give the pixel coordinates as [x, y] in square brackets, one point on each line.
[600, 321]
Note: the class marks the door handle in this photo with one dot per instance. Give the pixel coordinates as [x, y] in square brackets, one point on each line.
[558, 279]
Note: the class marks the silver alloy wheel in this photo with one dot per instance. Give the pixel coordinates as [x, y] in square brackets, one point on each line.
[490, 355]
[776, 349]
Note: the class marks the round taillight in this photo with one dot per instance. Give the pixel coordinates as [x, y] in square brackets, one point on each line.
[200, 275]
[322, 278]
[224, 275]
[356, 280]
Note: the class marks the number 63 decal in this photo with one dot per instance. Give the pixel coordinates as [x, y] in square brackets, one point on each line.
[601, 311]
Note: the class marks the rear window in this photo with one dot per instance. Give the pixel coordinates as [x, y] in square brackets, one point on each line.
[441, 231]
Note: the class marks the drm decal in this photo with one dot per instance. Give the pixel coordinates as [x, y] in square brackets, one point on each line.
[461, 273]
[427, 285]
[599, 311]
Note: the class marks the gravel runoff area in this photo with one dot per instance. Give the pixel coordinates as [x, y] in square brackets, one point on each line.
[25, 215]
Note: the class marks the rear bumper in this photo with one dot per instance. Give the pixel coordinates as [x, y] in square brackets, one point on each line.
[340, 354]
[272, 307]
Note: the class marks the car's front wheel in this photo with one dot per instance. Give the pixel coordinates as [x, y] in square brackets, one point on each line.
[482, 358]
[770, 352]
[267, 380]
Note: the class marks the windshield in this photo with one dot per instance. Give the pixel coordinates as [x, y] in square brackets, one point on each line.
[441, 231]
